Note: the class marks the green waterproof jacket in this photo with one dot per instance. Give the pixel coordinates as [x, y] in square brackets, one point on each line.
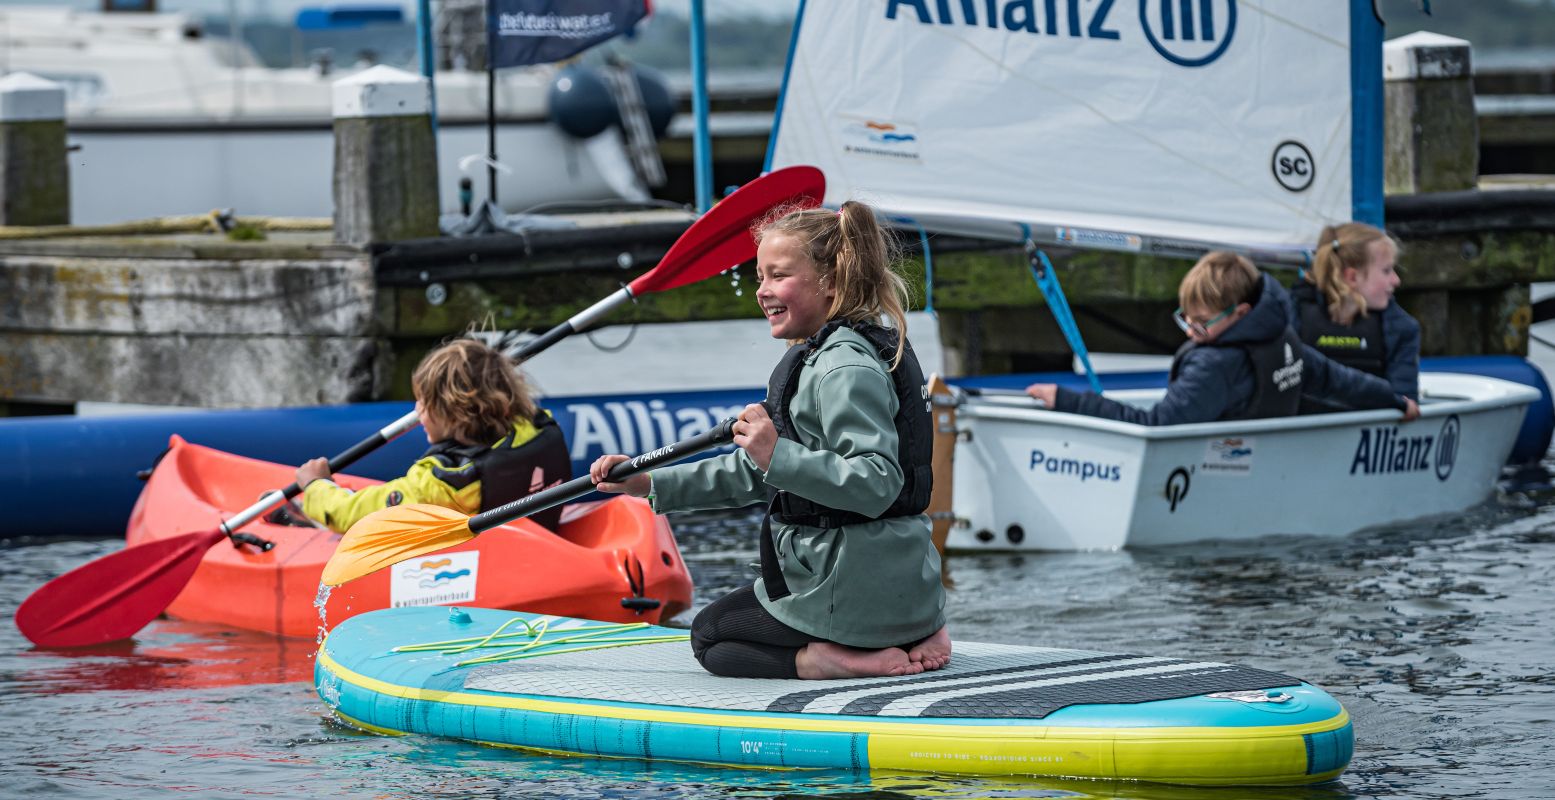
[871, 585]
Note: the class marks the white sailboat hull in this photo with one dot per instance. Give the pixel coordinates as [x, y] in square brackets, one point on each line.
[1030, 479]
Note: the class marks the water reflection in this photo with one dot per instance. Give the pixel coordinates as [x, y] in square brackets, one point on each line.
[168, 654]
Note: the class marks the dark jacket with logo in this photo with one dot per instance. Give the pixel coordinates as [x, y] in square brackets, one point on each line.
[1217, 382]
[1385, 343]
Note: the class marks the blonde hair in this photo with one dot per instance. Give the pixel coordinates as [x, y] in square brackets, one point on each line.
[1220, 280]
[853, 257]
[1338, 247]
[474, 389]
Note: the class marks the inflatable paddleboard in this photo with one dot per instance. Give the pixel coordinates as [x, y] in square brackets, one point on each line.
[577, 687]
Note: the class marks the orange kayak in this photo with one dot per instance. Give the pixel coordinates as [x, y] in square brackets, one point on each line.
[609, 561]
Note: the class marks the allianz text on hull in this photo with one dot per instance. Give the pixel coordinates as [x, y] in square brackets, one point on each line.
[1030, 479]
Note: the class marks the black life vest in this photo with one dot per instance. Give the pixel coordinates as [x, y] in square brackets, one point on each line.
[508, 471]
[1277, 367]
[914, 448]
[1359, 345]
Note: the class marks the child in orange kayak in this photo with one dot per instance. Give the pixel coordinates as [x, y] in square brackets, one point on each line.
[490, 444]
[850, 580]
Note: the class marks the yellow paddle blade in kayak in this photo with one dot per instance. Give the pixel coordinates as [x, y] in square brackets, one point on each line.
[391, 535]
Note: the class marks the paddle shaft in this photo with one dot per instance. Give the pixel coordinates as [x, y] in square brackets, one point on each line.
[345, 459]
[717, 226]
[577, 323]
[720, 434]
[580, 321]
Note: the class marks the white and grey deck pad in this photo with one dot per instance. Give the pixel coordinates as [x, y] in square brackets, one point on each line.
[982, 681]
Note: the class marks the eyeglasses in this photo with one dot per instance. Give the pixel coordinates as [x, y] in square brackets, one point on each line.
[1199, 328]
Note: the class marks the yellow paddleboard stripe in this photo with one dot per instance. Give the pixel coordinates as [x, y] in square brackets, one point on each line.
[828, 724]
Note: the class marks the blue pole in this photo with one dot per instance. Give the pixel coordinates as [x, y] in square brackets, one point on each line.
[423, 45]
[424, 51]
[701, 144]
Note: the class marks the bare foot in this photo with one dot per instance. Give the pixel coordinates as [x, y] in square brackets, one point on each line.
[822, 660]
[933, 652]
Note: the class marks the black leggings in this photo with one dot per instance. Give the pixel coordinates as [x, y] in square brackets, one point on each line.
[736, 638]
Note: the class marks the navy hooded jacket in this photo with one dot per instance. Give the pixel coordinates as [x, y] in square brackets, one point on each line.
[1216, 382]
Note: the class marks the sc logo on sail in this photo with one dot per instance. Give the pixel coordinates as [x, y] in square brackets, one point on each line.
[1189, 33]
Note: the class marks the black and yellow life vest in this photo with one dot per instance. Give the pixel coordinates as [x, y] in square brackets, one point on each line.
[523, 462]
[1359, 345]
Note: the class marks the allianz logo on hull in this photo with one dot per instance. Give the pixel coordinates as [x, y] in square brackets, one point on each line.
[638, 426]
[1189, 33]
[1384, 450]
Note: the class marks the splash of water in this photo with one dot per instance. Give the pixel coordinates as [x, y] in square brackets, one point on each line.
[734, 280]
[321, 602]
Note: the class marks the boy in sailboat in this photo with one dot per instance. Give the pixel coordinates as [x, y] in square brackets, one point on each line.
[490, 444]
[1344, 307]
[840, 452]
[1241, 360]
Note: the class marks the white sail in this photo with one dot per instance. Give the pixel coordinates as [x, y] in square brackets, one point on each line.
[1120, 124]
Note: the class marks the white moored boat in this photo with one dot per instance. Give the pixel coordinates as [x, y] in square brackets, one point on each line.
[1026, 478]
[193, 122]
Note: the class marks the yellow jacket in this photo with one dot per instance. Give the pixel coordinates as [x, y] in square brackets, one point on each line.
[531, 456]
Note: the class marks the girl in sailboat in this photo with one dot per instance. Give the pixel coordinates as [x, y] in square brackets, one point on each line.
[839, 452]
[1241, 360]
[490, 444]
[1344, 306]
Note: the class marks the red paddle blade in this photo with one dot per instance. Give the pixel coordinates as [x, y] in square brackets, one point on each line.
[115, 596]
[721, 238]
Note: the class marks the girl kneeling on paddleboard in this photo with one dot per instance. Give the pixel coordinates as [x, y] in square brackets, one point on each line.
[840, 451]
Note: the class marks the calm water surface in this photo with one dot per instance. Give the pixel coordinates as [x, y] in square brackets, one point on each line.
[1436, 637]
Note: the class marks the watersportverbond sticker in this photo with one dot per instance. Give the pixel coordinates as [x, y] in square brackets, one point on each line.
[1231, 456]
[890, 139]
[434, 580]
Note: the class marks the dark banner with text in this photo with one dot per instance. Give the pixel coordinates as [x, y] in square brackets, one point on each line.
[543, 31]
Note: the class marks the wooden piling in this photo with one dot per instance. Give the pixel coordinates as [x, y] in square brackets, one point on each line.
[34, 172]
[1432, 131]
[385, 158]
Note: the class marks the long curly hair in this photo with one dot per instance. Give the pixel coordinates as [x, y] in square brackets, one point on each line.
[474, 389]
[853, 257]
